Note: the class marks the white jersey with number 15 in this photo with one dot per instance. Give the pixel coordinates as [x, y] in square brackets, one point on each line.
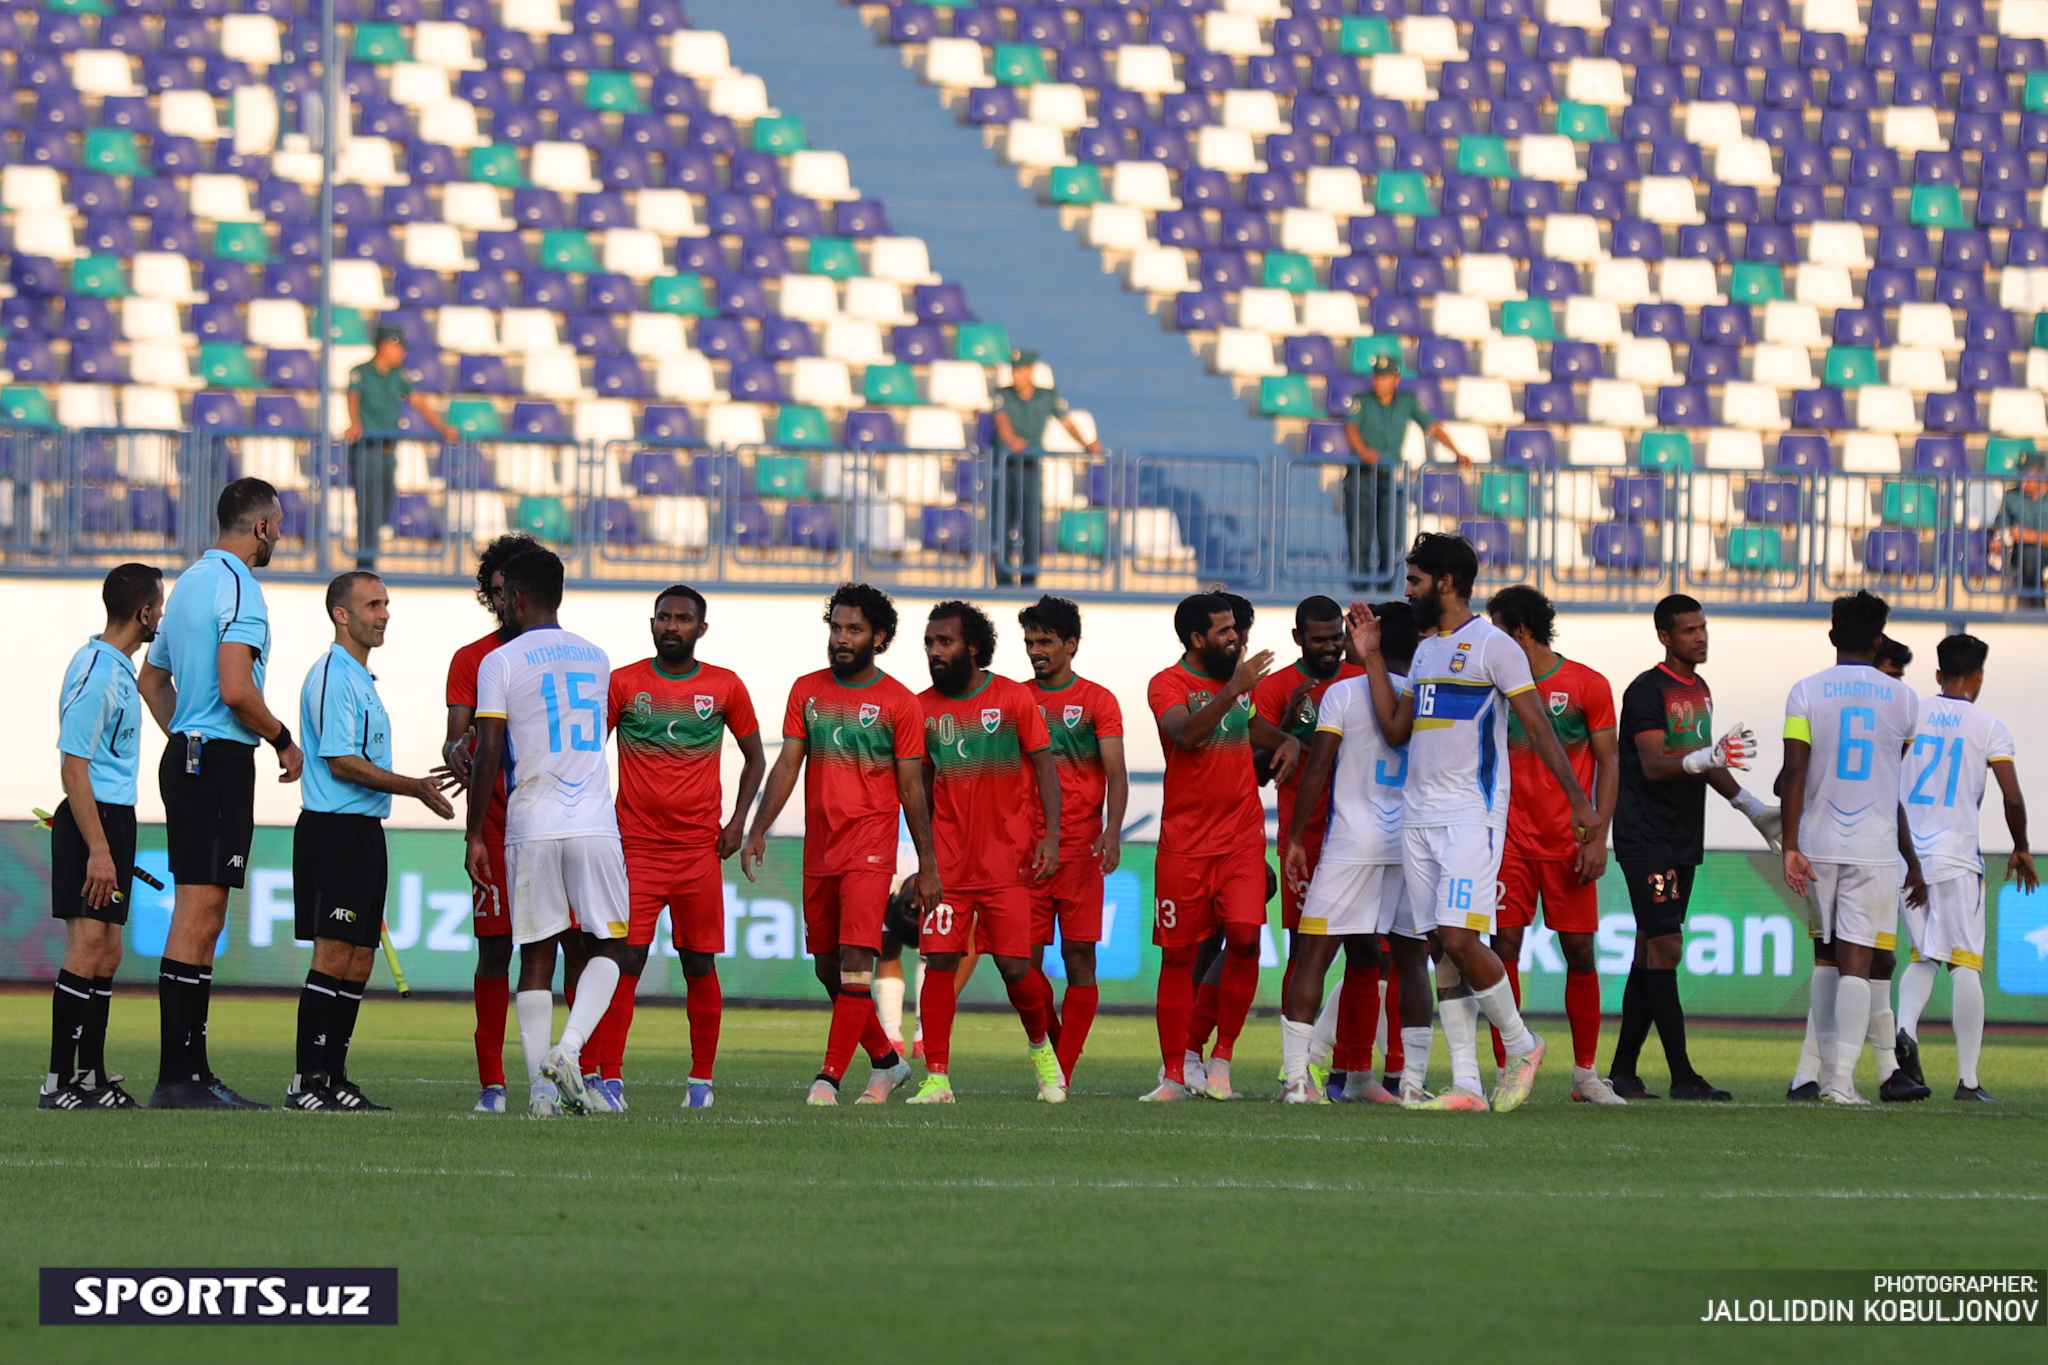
[550, 687]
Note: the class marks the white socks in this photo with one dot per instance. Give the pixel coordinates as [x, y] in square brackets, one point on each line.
[1385, 1031]
[1415, 1046]
[889, 1005]
[536, 1011]
[593, 997]
[1884, 1034]
[1966, 987]
[1461, 1034]
[1498, 1000]
[1916, 987]
[1322, 1044]
[1294, 1044]
[1852, 1021]
[1815, 1053]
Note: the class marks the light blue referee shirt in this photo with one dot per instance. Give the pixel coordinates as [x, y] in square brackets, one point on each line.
[340, 713]
[99, 719]
[215, 601]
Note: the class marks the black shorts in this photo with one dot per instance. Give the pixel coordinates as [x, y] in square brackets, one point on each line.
[339, 876]
[209, 816]
[68, 855]
[1659, 896]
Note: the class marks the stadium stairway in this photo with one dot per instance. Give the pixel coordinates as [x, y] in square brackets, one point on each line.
[1109, 354]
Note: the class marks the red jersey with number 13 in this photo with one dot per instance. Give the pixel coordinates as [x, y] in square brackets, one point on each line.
[1580, 704]
[671, 731]
[1212, 802]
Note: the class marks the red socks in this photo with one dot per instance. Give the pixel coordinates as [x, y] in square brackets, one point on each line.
[607, 1046]
[1582, 1007]
[493, 998]
[1514, 971]
[1077, 1013]
[1031, 996]
[935, 1006]
[853, 1013]
[1358, 1017]
[1240, 982]
[1052, 1013]
[1395, 1056]
[1172, 1007]
[706, 1004]
[1206, 1005]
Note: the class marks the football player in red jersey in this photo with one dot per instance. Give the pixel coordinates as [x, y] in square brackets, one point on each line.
[995, 801]
[1211, 867]
[493, 918]
[671, 714]
[1087, 729]
[1540, 860]
[858, 736]
[1289, 699]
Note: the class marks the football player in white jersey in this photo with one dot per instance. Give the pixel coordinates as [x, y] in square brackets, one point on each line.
[1846, 731]
[1955, 746]
[540, 715]
[1358, 892]
[1452, 715]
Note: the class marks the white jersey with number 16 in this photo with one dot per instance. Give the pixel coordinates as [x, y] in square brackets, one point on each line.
[549, 687]
[1858, 721]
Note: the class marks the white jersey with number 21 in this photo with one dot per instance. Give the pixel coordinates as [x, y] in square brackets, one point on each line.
[1943, 783]
[1858, 722]
[549, 686]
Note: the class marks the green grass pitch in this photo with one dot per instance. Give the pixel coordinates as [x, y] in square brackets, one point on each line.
[1002, 1229]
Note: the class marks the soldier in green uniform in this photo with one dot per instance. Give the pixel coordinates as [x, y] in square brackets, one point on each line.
[1376, 428]
[1022, 411]
[2023, 518]
[376, 390]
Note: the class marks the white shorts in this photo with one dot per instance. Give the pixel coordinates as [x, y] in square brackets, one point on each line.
[1454, 876]
[1358, 898]
[1857, 903]
[559, 884]
[1950, 927]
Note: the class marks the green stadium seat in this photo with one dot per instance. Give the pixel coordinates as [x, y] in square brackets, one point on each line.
[1403, 192]
[781, 135]
[381, 44]
[1366, 350]
[98, 277]
[23, 407]
[799, 424]
[543, 518]
[679, 294]
[1504, 493]
[833, 257]
[1850, 367]
[1084, 531]
[1365, 36]
[986, 343]
[1938, 206]
[113, 151]
[1582, 122]
[1664, 450]
[1484, 154]
[567, 250]
[890, 386]
[1755, 548]
[1076, 185]
[1913, 503]
[1289, 270]
[782, 476]
[77, 6]
[2002, 453]
[1019, 64]
[1286, 395]
[347, 327]
[241, 242]
[613, 92]
[225, 365]
[1755, 282]
[495, 165]
[2041, 329]
[2035, 98]
[474, 417]
[1528, 318]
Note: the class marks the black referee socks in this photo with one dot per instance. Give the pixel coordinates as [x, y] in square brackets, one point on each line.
[70, 1019]
[348, 1003]
[318, 1007]
[92, 1047]
[180, 1009]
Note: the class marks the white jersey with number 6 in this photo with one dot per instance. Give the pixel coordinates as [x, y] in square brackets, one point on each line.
[1858, 722]
[549, 687]
[1365, 787]
[1943, 782]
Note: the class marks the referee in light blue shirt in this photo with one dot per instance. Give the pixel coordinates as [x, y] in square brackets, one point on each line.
[205, 670]
[339, 872]
[92, 837]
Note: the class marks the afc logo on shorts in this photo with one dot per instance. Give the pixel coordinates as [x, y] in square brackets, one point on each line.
[345, 916]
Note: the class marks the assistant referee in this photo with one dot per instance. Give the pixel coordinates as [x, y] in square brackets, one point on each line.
[339, 869]
[206, 669]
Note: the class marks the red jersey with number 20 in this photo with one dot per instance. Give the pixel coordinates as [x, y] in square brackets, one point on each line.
[671, 732]
[854, 737]
[1212, 803]
[985, 809]
[1580, 704]
[462, 671]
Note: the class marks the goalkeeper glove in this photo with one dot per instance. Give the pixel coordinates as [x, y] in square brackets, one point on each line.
[1769, 820]
[1734, 750]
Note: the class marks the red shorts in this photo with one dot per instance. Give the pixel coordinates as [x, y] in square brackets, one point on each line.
[1292, 896]
[996, 919]
[1569, 906]
[1073, 899]
[1194, 897]
[689, 883]
[844, 909]
[491, 901]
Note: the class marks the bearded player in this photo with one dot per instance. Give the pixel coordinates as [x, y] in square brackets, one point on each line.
[671, 714]
[995, 802]
[1543, 859]
[1211, 865]
[1087, 730]
[492, 923]
[858, 736]
[1288, 700]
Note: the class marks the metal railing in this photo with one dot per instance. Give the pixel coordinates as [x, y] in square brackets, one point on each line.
[1146, 525]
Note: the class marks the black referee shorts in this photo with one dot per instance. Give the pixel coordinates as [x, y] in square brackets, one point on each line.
[1659, 894]
[339, 876]
[68, 855]
[210, 815]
